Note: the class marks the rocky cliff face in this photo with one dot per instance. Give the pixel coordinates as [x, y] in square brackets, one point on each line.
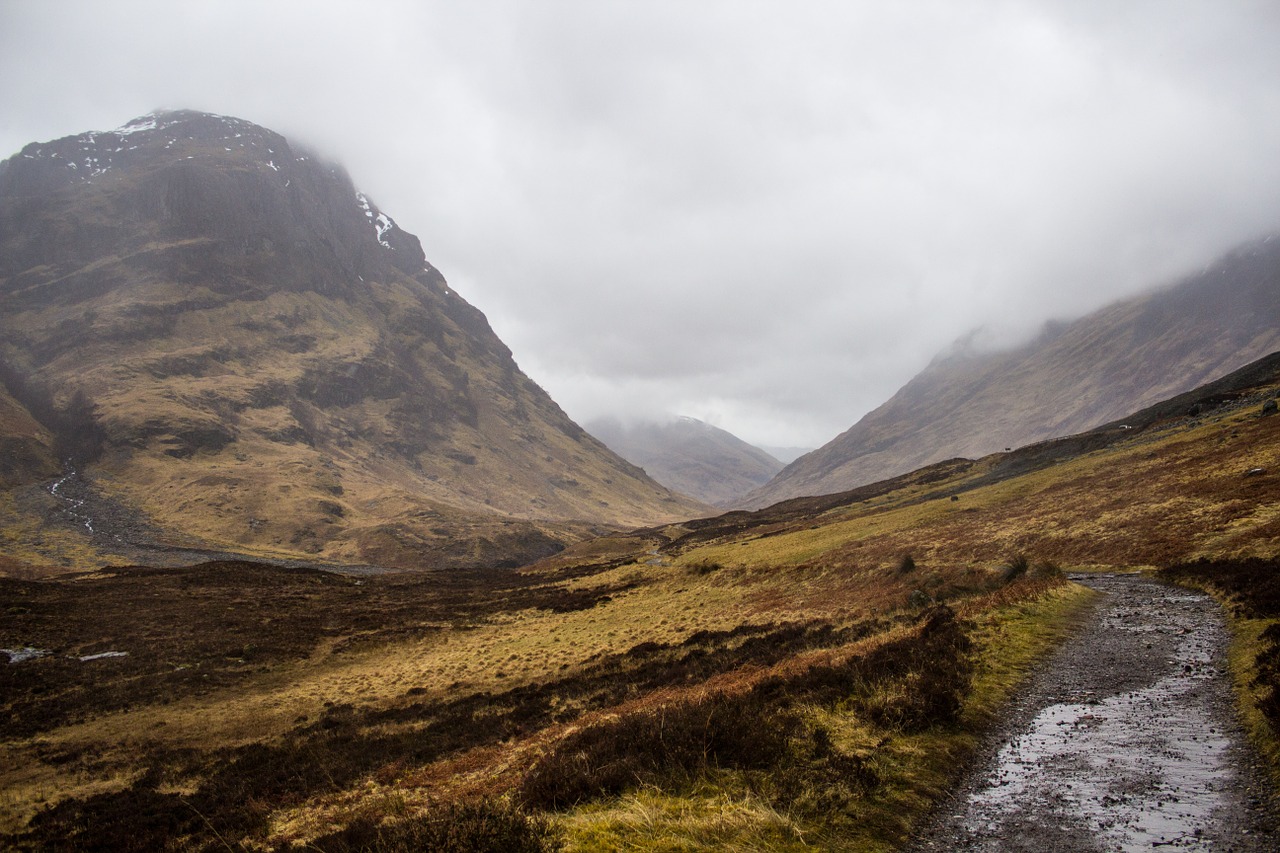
[1073, 377]
[271, 362]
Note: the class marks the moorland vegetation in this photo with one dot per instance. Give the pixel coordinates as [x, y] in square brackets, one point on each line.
[808, 676]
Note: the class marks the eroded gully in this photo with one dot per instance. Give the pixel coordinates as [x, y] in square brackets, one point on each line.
[1125, 740]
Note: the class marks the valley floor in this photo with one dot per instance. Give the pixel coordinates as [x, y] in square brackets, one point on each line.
[813, 676]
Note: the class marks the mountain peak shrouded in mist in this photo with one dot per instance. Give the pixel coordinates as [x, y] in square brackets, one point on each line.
[1074, 376]
[689, 456]
[272, 363]
[214, 177]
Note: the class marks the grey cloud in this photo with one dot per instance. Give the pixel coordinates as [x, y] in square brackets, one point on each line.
[768, 215]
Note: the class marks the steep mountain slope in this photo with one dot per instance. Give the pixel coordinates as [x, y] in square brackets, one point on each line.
[26, 446]
[1073, 377]
[690, 457]
[266, 362]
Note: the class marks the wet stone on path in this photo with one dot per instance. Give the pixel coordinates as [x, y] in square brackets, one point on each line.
[1125, 740]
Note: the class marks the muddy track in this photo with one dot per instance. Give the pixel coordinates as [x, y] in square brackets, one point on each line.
[1126, 739]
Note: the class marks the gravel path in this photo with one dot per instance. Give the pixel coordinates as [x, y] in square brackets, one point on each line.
[1125, 740]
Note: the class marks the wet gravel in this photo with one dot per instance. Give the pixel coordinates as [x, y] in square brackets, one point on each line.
[1125, 740]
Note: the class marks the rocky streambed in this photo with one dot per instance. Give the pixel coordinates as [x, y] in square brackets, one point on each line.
[123, 531]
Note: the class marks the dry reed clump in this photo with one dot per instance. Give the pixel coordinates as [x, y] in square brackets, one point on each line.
[1020, 565]
[1016, 567]
[909, 684]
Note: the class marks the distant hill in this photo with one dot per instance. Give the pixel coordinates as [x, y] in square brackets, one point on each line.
[1073, 377]
[238, 350]
[690, 457]
[786, 455]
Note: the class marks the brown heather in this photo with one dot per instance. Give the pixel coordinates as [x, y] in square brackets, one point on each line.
[758, 680]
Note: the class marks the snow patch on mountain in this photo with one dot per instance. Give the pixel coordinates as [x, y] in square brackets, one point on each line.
[382, 224]
[138, 125]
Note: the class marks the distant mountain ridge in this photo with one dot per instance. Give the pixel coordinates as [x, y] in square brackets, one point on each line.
[690, 456]
[1073, 377]
[786, 455]
[268, 363]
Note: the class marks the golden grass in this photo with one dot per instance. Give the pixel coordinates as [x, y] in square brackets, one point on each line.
[1246, 644]
[515, 648]
[1194, 501]
[725, 811]
[1155, 498]
[916, 770]
[710, 816]
[28, 787]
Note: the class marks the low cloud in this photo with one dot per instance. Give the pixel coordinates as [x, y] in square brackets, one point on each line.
[767, 215]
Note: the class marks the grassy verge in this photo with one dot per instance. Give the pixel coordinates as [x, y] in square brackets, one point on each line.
[1010, 639]
[1009, 636]
[846, 755]
[1250, 591]
[1253, 642]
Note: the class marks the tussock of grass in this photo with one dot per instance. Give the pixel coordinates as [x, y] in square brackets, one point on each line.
[715, 815]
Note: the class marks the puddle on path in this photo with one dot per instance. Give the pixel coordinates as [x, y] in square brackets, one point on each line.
[101, 655]
[1132, 747]
[1134, 773]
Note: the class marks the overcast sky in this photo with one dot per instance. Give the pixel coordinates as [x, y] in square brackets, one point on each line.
[768, 215]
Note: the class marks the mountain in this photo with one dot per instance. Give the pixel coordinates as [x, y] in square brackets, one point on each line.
[1073, 377]
[786, 455]
[238, 350]
[690, 457]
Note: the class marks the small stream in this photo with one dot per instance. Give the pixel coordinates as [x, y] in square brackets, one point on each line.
[73, 506]
[129, 535]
